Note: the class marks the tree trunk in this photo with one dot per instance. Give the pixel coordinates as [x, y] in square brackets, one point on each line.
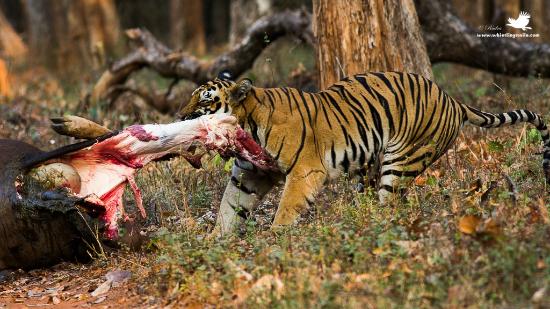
[187, 26]
[39, 30]
[217, 23]
[177, 24]
[11, 45]
[71, 35]
[367, 35]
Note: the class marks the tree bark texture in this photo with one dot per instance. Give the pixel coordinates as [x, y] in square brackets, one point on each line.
[368, 35]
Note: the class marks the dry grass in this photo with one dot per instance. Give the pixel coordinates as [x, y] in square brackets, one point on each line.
[464, 238]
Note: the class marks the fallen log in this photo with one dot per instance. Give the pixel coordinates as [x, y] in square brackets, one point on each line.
[449, 39]
[78, 205]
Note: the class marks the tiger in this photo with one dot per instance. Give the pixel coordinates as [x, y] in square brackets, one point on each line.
[400, 122]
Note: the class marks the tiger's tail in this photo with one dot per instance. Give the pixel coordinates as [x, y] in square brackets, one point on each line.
[489, 120]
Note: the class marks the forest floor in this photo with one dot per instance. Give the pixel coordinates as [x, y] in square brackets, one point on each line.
[474, 232]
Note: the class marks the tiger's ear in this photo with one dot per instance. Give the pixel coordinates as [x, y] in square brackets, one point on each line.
[240, 90]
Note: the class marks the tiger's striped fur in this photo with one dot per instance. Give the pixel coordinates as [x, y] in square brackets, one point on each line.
[403, 122]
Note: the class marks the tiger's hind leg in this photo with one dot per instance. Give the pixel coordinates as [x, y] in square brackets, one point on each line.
[299, 193]
[242, 194]
[398, 171]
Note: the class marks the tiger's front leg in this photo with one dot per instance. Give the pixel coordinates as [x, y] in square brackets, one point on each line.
[300, 190]
[247, 187]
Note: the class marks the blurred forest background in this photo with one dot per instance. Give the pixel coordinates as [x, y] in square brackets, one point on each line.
[69, 36]
[74, 40]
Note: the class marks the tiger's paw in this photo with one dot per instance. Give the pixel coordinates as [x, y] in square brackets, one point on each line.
[284, 218]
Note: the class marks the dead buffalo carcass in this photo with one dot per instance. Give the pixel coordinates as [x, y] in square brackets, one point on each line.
[60, 205]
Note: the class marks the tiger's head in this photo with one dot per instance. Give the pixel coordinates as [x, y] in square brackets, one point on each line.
[218, 96]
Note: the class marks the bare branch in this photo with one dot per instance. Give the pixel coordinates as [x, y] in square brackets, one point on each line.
[149, 52]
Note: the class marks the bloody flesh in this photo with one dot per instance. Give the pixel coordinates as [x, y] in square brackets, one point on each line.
[141, 134]
[106, 167]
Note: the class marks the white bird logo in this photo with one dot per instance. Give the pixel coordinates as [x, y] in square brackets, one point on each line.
[521, 22]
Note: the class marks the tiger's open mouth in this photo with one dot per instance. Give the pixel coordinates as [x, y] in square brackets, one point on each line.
[100, 173]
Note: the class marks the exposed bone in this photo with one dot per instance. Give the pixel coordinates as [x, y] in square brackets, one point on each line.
[57, 175]
[244, 146]
[40, 228]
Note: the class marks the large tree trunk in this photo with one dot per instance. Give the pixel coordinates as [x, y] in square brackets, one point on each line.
[187, 26]
[70, 35]
[368, 35]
